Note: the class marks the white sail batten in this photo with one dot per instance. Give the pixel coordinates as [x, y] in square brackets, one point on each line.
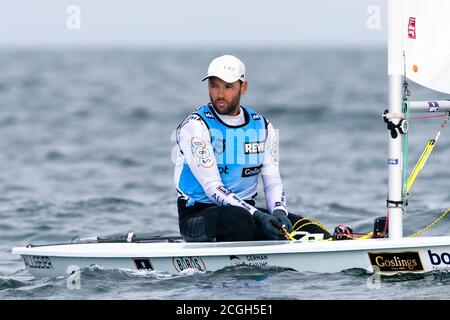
[425, 38]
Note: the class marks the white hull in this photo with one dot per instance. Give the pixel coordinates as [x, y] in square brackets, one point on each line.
[386, 256]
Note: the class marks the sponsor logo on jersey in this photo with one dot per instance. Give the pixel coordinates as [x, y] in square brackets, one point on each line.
[242, 203]
[192, 117]
[201, 152]
[223, 170]
[251, 171]
[223, 190]
[254, 147]
[183, 263]
[218, 199]
[256, 116]
[274, 151]
[209, 115]
[407, 261]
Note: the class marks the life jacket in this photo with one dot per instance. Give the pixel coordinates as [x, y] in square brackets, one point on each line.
[238, 154]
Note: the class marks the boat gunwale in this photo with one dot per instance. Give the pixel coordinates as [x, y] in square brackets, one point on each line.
[183, 249]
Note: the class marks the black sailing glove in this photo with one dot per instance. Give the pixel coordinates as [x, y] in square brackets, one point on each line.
[270, 225]
[282, 216]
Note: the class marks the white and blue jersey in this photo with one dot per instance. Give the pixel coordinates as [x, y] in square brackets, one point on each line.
[220, 159]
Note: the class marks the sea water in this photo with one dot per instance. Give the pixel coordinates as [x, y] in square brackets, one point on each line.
[86, 139]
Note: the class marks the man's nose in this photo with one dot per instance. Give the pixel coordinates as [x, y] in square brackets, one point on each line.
[221, 92]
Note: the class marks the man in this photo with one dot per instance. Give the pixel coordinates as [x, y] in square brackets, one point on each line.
[223, 149]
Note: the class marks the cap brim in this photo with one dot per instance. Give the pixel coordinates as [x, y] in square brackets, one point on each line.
[224, 77]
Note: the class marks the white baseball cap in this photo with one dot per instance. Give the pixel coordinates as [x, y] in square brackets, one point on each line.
[228, 68]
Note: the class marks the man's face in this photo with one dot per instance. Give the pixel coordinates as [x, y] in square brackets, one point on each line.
[225, 97]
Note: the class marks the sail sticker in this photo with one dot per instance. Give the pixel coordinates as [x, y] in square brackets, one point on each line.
[433, 106]
[412, 28]
[392, 161]
[183, 263]
[440, 261]
[143, 264]
[408, 261]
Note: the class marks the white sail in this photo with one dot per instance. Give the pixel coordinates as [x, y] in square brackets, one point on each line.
[426, 36]
[418, 34]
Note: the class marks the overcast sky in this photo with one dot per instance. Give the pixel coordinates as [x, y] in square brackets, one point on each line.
[192, 23]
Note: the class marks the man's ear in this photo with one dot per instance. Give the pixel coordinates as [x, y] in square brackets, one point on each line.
[243, 87]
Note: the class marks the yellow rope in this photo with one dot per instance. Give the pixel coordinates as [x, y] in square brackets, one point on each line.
[310, 221]
[430, 225]
[424, 157]
[298, 221]
[420, 164]
[367, 236]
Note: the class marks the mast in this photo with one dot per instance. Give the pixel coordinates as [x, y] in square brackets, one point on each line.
[395, 156]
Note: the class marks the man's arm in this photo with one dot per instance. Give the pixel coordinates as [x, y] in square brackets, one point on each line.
[273, 186]
[194, 140]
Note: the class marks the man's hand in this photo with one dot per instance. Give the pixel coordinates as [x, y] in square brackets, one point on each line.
[270, 225]
[282, 217]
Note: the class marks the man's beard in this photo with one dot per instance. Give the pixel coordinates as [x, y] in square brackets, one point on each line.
[228, 108]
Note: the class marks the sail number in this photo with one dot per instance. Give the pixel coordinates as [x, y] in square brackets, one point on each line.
[38, 262]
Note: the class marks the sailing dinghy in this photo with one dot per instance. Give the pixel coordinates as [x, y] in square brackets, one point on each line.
[418, 50]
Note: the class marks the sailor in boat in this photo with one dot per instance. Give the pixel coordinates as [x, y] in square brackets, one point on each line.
[223, 148]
